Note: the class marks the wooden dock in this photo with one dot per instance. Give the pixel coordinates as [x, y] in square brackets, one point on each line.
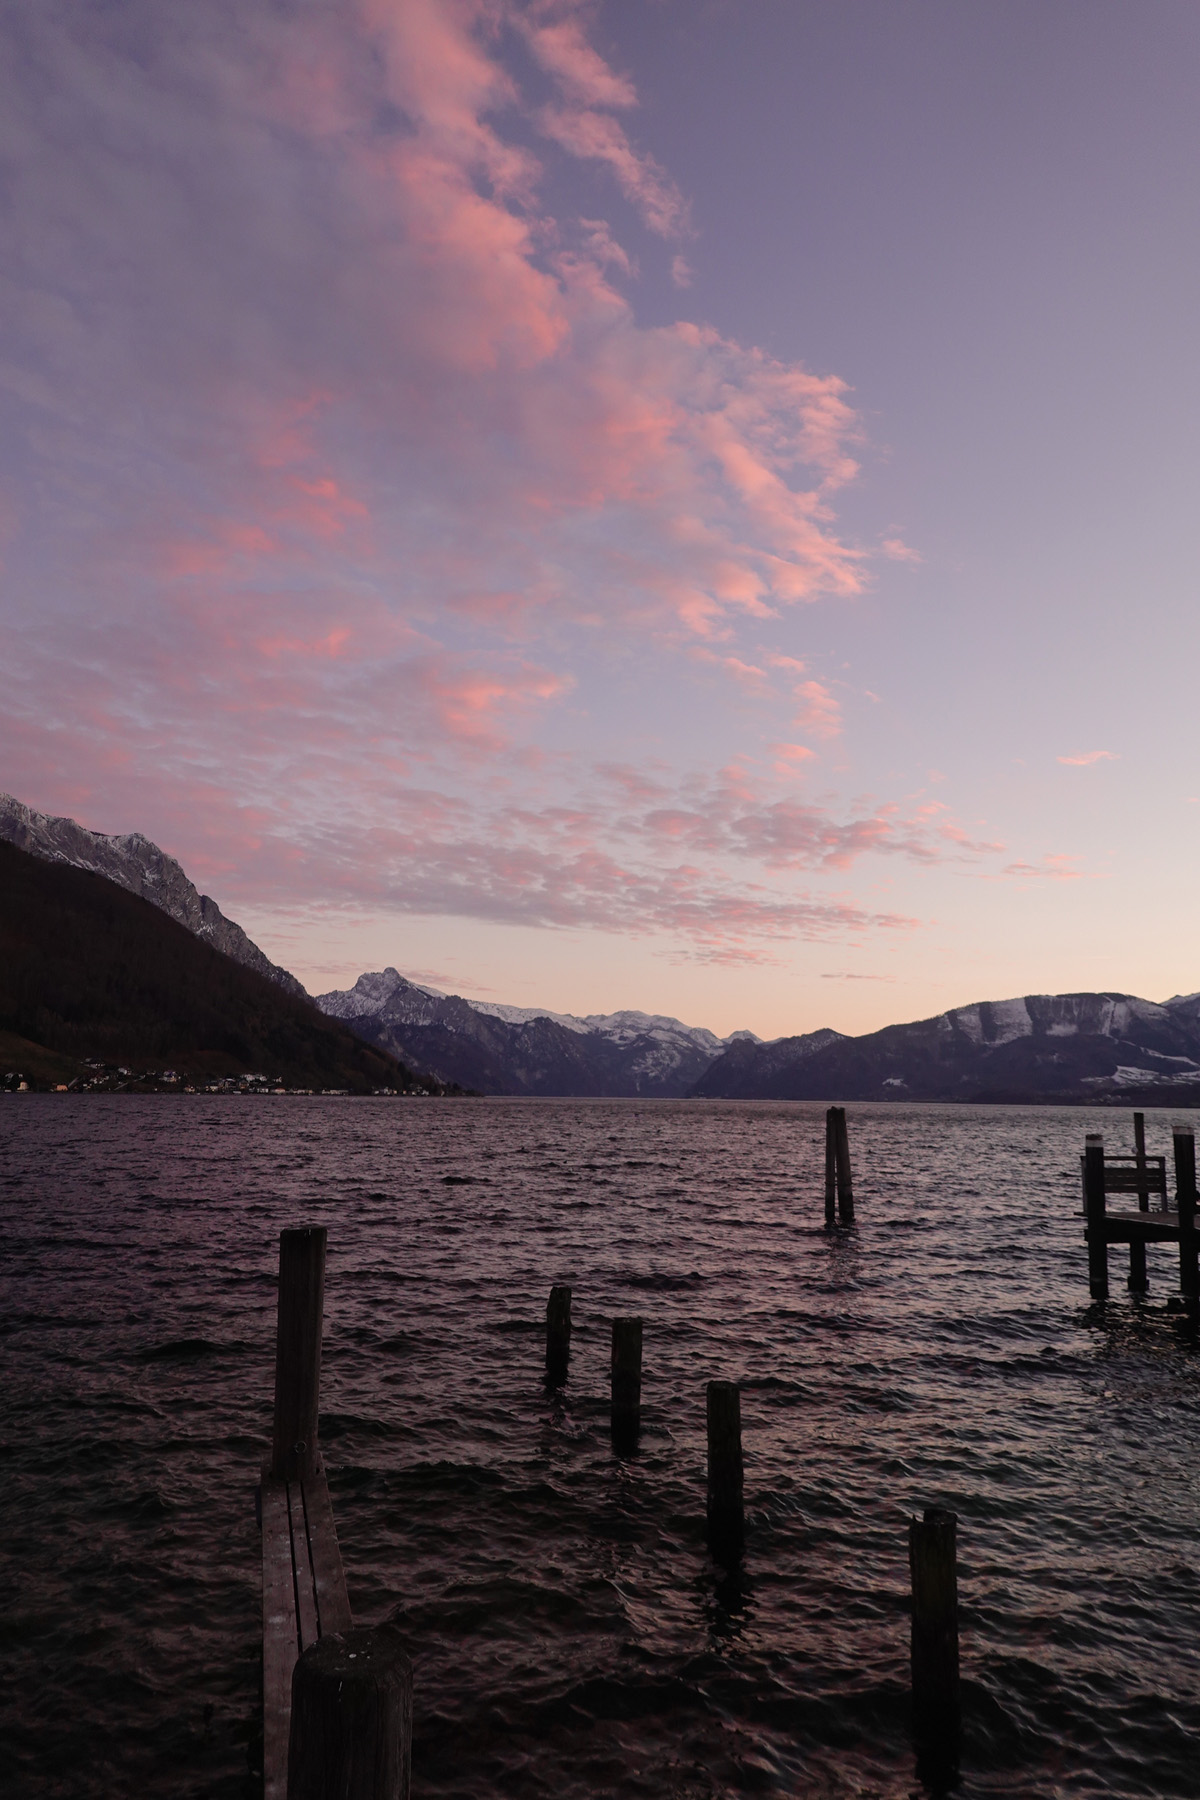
[304, 1587]
[304, 1597]
[1145, 1176]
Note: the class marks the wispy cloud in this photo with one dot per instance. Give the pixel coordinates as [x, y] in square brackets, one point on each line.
[339, 463]
[1049, 868]
[849, 975]
[1083, 759]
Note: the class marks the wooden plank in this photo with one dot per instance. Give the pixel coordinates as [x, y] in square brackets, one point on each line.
[280, 1637]
[1131, 1228]
[1135, 1181]
[306, 1593]
[333, 1602]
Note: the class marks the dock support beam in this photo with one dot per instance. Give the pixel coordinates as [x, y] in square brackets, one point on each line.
[351, 1731]
[1185, 1201]
[298, 1352]
[1093, 1204]
[1138, 1282]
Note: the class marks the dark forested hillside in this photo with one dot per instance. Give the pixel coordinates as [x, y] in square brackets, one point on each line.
[89, 971]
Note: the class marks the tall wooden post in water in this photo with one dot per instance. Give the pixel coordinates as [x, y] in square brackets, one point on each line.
[626, 1383]
[933, 1563]
[837, 1168]
[1185, 1201]
[1093, 1206]
[726, 1520]
[298, 1352]
[558, 1335]
[845, 1185]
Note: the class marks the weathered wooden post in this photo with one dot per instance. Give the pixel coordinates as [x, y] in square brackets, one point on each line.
[298, 1351]
[726, 1520]
[351, 1730]
[1185, 1201]
[1137, 1246]
[933, 1562]
[845, 1186]
[1093, 1205]
[626, 1382]
[558, 1335]
[830, 1164]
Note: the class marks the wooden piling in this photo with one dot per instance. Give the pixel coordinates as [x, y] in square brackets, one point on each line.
[351, 1726]
[932, 1559]
[845, 1186]
[830, 1165]
[1185, 1202]
[1138, 1281]
[298, 1352]
[626, 1382]
[726, 1519]
[1093, 1204]
[558, 1335]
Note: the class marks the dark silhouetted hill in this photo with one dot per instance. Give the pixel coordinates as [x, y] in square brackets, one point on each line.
[133, 862]
[91, 972]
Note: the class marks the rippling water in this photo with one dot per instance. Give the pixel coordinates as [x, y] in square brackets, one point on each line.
[570, 1635]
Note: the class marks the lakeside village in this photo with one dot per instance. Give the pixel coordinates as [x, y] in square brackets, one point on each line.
[108, 1078]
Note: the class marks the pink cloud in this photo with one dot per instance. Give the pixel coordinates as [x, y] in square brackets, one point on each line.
[819, 711]
[556, 37]
[331, 504]
[790, 758]
[1085, 758]
[598, 137]
[1053, 867]
[586, 84]
[898, 551]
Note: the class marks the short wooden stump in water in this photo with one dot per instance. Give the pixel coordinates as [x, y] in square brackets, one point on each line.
[351, 1732]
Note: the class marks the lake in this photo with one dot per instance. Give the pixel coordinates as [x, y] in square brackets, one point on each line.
[571, 1636]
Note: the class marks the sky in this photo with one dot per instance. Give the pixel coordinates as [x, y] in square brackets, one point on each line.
[676, 504]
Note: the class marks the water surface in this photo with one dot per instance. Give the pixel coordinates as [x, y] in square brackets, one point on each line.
[571, 1635]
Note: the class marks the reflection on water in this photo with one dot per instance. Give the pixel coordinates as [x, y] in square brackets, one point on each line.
[571, 1633]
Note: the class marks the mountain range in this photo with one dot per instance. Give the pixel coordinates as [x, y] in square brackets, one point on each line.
[518, 1050]
[1038, 1047]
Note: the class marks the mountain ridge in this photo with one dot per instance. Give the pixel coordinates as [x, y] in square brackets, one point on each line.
[1068, 1047]
[525, 1050]
[1030, 1047]
[93, 975]
[137, 864]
